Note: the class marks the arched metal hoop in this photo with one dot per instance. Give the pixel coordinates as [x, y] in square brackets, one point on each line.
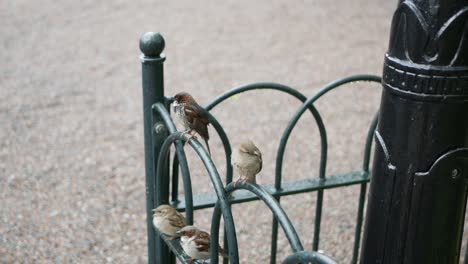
[217, 184]
[285, 89]
[369, 140]
[187, 182]
[288, 131]
[227, 153]
[278, 176]
[275, 208]
[304, 257]
[305, 106]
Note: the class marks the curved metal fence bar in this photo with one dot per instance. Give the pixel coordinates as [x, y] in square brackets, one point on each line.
[318, 119]
[275, 208]
[256, 86]
[175, 181]
[229, 226]
[272, 86]
[226, 144]
[307, 257]
[227, 150]
[369, 140]
[217, 184]
[363, 190]
[306, 105]
[174, 173]
[293, 122]
[187, 182]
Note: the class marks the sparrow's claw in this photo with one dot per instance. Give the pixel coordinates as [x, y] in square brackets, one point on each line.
[185, 132]
[237, 181]
[190, 133]
[190, 137]
[190, 260]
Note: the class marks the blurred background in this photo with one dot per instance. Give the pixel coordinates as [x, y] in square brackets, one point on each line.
[71, 138]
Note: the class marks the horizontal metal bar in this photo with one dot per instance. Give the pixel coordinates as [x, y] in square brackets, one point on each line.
[208, 200]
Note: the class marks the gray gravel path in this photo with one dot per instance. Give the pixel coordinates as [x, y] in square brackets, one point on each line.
[71, 155]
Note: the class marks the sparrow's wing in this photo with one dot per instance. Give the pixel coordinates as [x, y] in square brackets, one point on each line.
[261, 165]
[197, 120]
[177, 220]
[204, 235]
[201, 128]
[202, 244]
[256, 154]
[196, 112]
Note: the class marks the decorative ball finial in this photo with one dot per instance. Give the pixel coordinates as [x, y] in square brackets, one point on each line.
[152, 44]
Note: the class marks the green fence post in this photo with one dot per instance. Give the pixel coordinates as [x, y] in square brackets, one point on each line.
[152, 45]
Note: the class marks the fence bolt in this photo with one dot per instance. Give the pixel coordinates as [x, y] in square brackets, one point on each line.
[455, 174]
[160, 128]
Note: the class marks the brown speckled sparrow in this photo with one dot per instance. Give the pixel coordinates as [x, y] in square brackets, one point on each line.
[246, 159]
[196, 243]
[192, 116]
[168, 220]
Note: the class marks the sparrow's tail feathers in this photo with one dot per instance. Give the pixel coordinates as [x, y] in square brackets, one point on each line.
[223, 253]
[207, 146]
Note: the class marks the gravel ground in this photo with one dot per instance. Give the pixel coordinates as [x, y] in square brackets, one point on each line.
[71, 155]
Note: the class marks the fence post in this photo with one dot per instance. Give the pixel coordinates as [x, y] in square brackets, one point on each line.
[152, 45]
[418, 190]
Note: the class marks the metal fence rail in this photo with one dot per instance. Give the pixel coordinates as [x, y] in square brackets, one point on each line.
[163, 134]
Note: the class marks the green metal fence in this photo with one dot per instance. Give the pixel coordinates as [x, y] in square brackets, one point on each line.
[161, 134]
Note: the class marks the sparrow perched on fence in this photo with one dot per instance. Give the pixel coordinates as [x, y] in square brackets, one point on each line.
[192, 116]
[168, 220]
[196, 243]
[246, 159]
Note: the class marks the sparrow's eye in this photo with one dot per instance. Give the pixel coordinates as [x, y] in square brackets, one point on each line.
[243, 150]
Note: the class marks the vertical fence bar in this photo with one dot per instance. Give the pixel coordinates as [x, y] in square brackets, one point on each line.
[152, 45]
[362, 192]
[418, 191]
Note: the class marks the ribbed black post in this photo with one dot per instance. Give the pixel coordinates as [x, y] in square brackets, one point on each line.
[419, 179]
[152, 45]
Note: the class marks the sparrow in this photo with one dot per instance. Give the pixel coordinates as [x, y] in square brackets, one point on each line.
[196, 243]
[246, 159]
[168, 220]
[192, 116]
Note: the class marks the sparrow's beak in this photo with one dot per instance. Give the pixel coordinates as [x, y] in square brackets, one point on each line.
[179, 232]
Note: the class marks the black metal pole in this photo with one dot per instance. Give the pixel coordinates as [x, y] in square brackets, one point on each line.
[152, 45]
[418, 190]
